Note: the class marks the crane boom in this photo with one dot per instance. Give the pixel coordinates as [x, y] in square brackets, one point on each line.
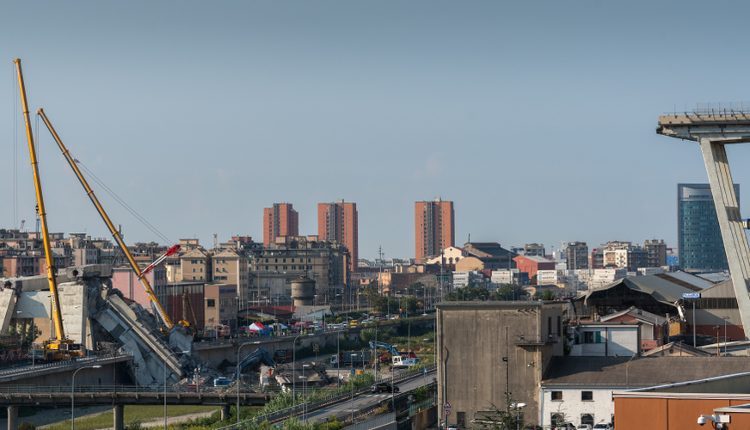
[56, 314]
[115, 234]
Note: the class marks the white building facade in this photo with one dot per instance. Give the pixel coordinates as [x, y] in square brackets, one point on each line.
[576, 404]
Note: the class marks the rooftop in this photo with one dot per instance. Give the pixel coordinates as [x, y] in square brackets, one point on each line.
[622, 372]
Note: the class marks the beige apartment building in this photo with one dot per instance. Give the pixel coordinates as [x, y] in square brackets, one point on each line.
[232, 268]
[196, 265]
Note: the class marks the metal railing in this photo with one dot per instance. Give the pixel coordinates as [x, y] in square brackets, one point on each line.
[334, 397]
[59, 364]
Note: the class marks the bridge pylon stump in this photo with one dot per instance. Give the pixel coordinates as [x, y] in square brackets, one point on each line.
[118, 416]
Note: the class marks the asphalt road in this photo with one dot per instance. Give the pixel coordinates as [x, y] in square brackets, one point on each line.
[364, 401]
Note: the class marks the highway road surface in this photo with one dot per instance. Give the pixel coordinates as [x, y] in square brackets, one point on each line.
[345, 408]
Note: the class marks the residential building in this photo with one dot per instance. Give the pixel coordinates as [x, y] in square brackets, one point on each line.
[604, 339]
[126, 281]
[195, 265]
[597, 258]
[220, 305]
[534, 250]
[232, 267]
[338, 222]
[512, 276]
[273, 268]
[546, 277]
[279, 220]
[577, 255]
[531, 264]
[487, 349]
[653, 328]
[656, 253]
[699, 241]
[434, 227]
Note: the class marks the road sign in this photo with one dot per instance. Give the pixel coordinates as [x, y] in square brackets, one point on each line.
[691, 296]
[447, 408]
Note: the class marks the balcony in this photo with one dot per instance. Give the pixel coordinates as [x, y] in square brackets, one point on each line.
[536, 341]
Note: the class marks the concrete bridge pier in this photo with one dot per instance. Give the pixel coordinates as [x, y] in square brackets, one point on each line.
[224, 413]
[12, 417]
[118, 415]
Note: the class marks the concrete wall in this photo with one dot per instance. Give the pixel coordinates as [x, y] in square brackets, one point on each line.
[472, 344]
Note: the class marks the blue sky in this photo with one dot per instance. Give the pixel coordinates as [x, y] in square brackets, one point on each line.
[536, 118]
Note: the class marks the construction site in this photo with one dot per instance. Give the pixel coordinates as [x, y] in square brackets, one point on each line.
[72, 319]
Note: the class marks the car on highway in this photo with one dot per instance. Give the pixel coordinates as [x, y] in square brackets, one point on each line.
[383, 387]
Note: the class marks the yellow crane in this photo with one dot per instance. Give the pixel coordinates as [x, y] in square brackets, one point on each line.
[60, 347]
[115, 233]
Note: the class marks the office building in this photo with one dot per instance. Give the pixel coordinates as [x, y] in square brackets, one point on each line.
[338, 222]
[577, 255]
[701, 248]
[656, 253]
[279, 220]
[534, 250]
[434, 227]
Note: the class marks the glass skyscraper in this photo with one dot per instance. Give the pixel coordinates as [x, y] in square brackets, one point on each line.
[700, 246]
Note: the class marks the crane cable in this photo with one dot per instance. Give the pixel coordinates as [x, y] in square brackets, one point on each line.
[122, 203]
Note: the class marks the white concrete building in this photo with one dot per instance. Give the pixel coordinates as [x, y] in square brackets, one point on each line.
[577, 405]
[461, 279]
[451, 256]
[645, 271]
[546, 277]
[597, 339]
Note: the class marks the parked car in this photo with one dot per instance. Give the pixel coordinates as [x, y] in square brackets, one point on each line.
[384, 387]
[565, 426]
[584, 427]
[603, 426]
[222, 381]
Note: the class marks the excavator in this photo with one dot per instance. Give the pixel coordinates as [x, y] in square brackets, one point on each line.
[170, 328]
[59, 347]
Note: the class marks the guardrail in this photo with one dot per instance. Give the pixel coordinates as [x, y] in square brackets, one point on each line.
[59, 364]
[336, 396]
[6, 389]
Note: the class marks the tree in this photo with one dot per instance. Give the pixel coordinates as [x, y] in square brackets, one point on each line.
[468, 294]
[509, 292]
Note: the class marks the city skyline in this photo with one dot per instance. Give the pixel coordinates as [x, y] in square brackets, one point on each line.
[440, 105]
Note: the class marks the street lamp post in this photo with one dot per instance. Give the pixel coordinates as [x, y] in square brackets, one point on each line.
[174, 354]
[73, 396]
[338, 359]
[238, 381]
[351, 381]
[294, 371]
[304, 392]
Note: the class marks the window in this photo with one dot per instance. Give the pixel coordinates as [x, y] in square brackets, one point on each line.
[461, 419]
[557, 419]
[592, 337]
[556, 396]
[587, 396]
[211, 303]
[587, 419]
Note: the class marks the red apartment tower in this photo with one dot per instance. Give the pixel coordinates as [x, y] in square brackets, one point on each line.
[434, 227]
[337, 222]
[279, 220]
